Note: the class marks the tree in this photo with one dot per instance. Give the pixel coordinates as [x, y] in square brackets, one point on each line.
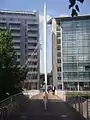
[10, 74]
[74, 6]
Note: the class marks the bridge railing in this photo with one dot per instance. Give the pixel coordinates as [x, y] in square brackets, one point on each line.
[81, 104]
[11, 104]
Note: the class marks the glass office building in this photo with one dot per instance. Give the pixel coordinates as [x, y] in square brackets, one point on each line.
[71, 52]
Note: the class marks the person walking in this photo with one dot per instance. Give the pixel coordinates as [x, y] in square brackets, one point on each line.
[53, 89]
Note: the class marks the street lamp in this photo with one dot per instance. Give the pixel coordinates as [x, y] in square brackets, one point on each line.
[45, 44]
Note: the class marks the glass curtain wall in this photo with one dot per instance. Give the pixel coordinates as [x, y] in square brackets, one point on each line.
[76, 51]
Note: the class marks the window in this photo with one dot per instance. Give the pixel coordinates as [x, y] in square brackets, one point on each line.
[30, 50]
[35, 56]
[58, 60]
[25, 45]
[32, 44]
[70, 67]
[32, 26]
[58, 28]
[16, 37]
[26, 51]
[3, 18]
[15, 31]
[85, 49]
[80, 75]
[59, 74]
[18, 56]
[18, 62]
[58, 41]
[32, 32]
[17, 44]
[58, 69]
[16, 25]
[26, 57]
[58, 54]
[17, 50]
[32, 38]
[58, 34]
[86, 75]
[2, 24]
[87, 68]
[58, 47]
[59, 78]
[33, 63]
[12, 19]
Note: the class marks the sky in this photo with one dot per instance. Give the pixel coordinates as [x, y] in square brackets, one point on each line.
[54, 8]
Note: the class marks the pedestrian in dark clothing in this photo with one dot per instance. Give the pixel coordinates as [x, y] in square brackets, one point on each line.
[53, 89]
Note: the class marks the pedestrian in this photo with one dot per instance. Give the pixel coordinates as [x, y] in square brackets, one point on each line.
[53, 89]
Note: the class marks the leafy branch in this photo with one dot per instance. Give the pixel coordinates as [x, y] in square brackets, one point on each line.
[74, 6]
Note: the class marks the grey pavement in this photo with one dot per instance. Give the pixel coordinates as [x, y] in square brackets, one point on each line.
[57, 110]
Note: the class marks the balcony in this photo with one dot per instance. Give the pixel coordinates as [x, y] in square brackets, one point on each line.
[32, 29]
[3, 27]
[15, 34]
[58, 48]
[32, 72]
[58, 28]
[16, 47]
[3, 21]
[32, 41]
[14, 22]
[59, 74]
[58, 37]
[59, 41]
[32, 66]
[18, 60]
[16, 41]
[31, 47]
[32, 53]
[32, 22]
[32, 35]
[32, 60]
[18, 53]
[14, 28]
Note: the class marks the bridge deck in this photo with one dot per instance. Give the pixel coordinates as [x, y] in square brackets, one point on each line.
[41, 95]
[57, 110]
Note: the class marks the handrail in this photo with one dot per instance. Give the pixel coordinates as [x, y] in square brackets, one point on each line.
[80, 104]
[10, 104]
[10, 97]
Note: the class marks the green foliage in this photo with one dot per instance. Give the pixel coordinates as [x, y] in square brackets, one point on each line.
[81, 1]
[77, 8]
[74, 12]
[10, 74]
[71, 95]
[74, 6]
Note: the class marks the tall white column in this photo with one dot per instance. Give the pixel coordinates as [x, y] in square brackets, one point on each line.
[45, 45]
[61, 61]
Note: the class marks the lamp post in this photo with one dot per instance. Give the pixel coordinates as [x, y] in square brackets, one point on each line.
[45, 44]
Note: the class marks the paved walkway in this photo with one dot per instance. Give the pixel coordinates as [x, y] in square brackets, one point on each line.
[50, 96]
[57, 110]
